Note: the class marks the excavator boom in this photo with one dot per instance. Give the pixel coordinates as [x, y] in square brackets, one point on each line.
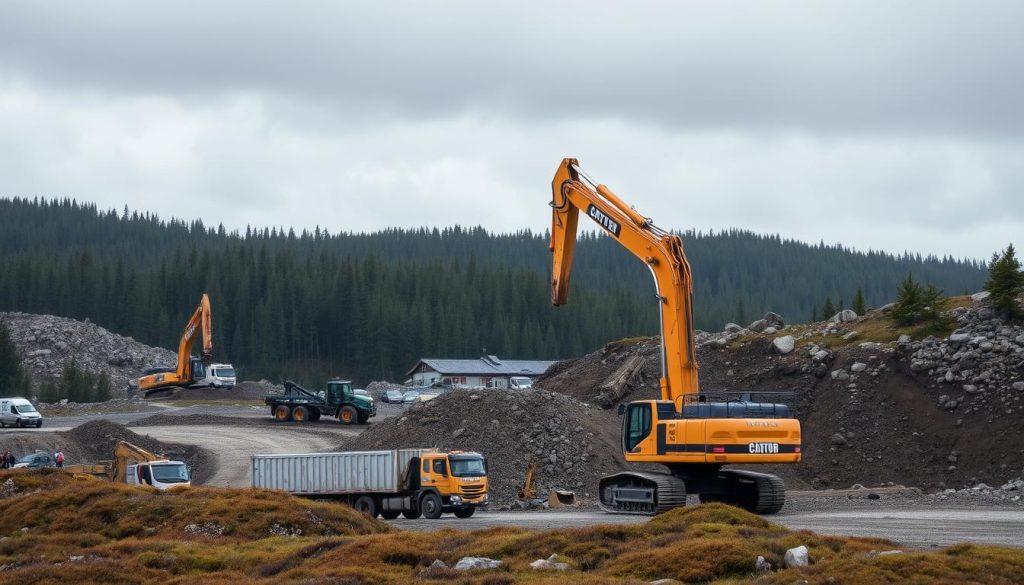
[198, 325]
[694, 438]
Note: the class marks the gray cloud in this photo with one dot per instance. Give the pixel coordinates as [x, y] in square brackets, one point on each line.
[881, 125]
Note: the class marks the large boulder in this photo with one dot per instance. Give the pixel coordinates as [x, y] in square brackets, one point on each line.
[844, 316]
[796, 557]
[783, 345]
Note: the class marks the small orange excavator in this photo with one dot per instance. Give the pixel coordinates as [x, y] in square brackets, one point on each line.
[684, 431]
[189, 369]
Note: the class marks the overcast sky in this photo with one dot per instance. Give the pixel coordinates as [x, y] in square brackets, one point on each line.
[884, 125]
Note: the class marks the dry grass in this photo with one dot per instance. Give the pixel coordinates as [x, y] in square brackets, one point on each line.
[118, 534]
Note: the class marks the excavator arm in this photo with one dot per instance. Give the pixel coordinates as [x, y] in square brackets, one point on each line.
[661, 251]
[198, 325]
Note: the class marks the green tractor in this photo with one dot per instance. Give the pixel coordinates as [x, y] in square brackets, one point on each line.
[339, 401]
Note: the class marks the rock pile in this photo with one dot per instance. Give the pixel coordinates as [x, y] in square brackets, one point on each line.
[980, 366]
[46, 343]
[573, 443]
[1011, 493]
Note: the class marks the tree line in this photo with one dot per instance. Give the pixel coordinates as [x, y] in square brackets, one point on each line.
[368, 305]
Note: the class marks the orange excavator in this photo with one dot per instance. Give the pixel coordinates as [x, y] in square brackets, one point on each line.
[190, 369]
[694, 437]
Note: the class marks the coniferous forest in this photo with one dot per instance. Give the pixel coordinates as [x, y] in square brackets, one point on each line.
[367, 305]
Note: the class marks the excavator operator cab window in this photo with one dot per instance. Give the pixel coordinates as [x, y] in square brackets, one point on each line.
[638, 425]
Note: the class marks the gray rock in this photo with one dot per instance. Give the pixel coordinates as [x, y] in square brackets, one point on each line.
[549, 564]
[473, 563]
[458, 433]
[770, 330]
[796, 557]
[840, 375]
[762, 565]
[970, 388]
[1018, 386]
[844, 316]
[822, 355]
[886, 553]
[784, 345]
[732, 328]
[850, 335]
[886, 307]
[837, 439]
[903, 339]
[758, 326]
[980, 296]
[666, 582]
[859, 367]
[438, 564]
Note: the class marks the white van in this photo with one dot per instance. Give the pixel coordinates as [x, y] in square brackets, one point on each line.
[19, 412]
[520, 383]
[220, 376]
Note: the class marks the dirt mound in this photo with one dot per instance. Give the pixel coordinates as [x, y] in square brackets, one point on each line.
[95, 440]
[242, 391]
[55, 503]
[875, 406]
[573, 443]
[46, 343]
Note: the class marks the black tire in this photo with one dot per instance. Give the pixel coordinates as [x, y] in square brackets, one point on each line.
[314, 414]
[389, 514]
[367, 505]
[300, 414]
[17, 424]
[348, 415]
[430, 504]
[464, 512]
[39, 425]
[411, 514]
[282, 413]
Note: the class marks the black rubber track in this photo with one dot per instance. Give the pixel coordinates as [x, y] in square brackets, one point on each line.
[670, 492]
[771, 491]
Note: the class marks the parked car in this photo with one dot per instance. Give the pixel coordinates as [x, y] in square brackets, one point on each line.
[411, 397]
[392, 397]
[35, 460]
[20, 413]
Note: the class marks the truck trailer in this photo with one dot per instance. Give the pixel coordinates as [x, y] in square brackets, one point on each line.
[410, 482]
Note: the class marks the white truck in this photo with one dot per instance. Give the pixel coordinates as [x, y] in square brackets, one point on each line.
[19, 412]
[219, 376]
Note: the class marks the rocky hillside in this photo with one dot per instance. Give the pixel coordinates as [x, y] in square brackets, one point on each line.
[46, 343]
[878, 403]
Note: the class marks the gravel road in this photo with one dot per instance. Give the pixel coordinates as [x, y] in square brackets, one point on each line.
[912, 528]
[232, 446]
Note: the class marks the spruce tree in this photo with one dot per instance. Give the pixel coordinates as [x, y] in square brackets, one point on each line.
[858, 303]
[907, 309]
[13, 378]
[829, 309]
[1006, 283]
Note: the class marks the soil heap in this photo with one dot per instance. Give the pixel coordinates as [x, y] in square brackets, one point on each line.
[573, 443]
[876, 405]
[46, 343]
[95, 440]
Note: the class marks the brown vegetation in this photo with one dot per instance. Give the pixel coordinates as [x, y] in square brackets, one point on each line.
[56, 528]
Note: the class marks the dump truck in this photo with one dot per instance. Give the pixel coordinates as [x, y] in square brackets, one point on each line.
[299, 404]
[134, 465]
[407, 482]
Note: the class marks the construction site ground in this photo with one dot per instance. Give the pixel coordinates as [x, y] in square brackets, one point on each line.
[220, 438]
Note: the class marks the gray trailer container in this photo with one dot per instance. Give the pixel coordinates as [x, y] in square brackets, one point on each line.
[409, 482]
[334, 474]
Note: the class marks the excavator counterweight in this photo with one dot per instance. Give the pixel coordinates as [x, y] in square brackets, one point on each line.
[684, 431]
[189, 369]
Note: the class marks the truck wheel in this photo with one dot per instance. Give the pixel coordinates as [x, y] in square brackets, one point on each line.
[411, 514]
[389, 514]
[282, 413]
[431, 505]
[348, 415]
[464, 512]
[367, 505]
[314, 414]
[300, 414]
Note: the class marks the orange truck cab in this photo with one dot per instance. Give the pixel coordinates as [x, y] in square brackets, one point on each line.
[453, 481]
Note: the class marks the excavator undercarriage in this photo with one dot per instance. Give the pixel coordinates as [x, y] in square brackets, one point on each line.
[653, 493]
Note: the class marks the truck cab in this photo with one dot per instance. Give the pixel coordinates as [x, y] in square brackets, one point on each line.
[220, 376]
[455, 482]
[162, 474]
